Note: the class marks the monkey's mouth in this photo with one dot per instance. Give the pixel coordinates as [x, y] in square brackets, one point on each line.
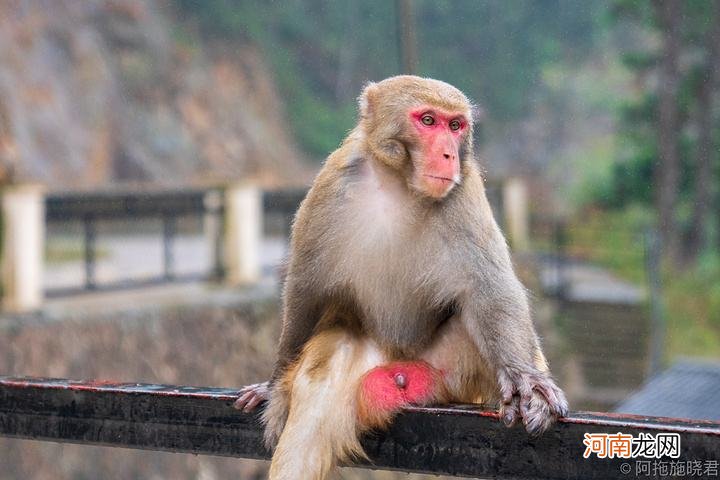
[444, 179]
[437, 186]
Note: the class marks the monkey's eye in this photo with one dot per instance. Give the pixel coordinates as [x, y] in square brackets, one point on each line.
[427, 120]
[455, 125]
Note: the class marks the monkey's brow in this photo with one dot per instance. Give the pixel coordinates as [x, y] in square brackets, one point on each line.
[448, 114]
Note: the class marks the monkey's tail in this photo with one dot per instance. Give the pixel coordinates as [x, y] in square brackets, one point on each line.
[319, 395]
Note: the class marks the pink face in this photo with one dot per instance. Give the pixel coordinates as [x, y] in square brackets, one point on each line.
[441, 134]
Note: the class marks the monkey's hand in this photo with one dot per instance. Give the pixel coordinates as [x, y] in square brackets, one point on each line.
[251, 396]
[532, 396]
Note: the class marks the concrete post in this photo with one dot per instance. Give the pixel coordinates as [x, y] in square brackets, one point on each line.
[515, 207]
[213, 231]
[243, 233]
[23, 247]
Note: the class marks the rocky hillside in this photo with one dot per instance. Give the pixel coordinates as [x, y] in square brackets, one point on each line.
[99, 93]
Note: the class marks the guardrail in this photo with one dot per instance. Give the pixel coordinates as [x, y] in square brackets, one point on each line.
[91, 208]
[454, 440]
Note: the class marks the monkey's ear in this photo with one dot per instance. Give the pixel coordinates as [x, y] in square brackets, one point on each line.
[366, 100]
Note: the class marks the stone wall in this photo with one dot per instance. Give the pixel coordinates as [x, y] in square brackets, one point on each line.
[225, 344]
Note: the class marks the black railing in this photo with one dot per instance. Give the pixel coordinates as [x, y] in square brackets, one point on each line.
[92, 208]
[454, 440]
[170, 208]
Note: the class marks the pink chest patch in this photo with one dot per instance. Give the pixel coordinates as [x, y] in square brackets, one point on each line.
[388, 387]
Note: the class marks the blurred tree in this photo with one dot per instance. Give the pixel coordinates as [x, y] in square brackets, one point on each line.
[697, 238]
[407, 37]
[667, 171]
[324, 51]
[669, 125]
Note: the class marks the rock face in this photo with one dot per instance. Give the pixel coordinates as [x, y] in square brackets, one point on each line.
[98, 93]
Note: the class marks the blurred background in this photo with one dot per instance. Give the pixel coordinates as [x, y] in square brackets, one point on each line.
[152, 154]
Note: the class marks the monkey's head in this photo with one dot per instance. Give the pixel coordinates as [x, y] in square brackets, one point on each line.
[421, 128]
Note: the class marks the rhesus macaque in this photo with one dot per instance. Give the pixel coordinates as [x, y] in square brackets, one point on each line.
[399, 290]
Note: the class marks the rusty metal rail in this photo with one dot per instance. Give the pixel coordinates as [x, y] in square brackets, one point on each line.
[458, 440]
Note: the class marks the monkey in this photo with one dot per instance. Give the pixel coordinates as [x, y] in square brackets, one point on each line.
[399, 289]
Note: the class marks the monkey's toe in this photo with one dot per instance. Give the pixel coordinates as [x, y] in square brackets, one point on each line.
[510, 412]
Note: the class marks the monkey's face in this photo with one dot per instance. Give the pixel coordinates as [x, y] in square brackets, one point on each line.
[438, 135]
[420, 128]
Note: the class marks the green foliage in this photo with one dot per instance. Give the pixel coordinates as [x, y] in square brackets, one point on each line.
[691, 298]
[65, 251]
[614, 240]
[692, 302]
[635, 162]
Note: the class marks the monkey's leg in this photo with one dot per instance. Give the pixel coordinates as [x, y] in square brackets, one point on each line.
[466, 377]
[528, 393]
[322, 420]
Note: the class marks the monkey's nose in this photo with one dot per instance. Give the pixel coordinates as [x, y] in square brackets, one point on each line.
[400, 380]
[447, 156]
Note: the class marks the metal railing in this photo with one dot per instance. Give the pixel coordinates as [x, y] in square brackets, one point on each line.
[453, 440]
[167, 207]
[90, 210]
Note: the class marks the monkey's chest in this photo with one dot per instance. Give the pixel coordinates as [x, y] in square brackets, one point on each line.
[391, 263]
[401, 299]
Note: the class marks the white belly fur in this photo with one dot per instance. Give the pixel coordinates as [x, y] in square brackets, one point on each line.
[381, 247]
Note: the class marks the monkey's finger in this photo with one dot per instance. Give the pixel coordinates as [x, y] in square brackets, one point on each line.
[248, 388]
[252, 403]
[538, 414]
[554, 397]
[525, 401]
[507, 388]
[243, 400]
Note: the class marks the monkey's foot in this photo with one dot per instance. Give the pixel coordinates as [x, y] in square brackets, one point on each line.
[532, 397]
[251, 396]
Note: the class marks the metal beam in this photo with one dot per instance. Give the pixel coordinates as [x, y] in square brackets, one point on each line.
[457, 440]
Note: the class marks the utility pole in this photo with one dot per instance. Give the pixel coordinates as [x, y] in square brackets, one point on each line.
[407, 40]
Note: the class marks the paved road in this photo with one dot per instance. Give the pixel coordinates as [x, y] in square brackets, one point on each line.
[140, 256]
[585, 282]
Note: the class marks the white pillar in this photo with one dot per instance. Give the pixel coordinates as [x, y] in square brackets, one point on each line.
[515, 208]
[23, 246]
[243, 233]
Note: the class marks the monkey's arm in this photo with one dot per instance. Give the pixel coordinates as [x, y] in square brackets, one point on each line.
[304, 286]
[497, 314]
[301, 314]
[302, 305]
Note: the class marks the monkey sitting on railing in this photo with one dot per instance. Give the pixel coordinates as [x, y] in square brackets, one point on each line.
[399, 290]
